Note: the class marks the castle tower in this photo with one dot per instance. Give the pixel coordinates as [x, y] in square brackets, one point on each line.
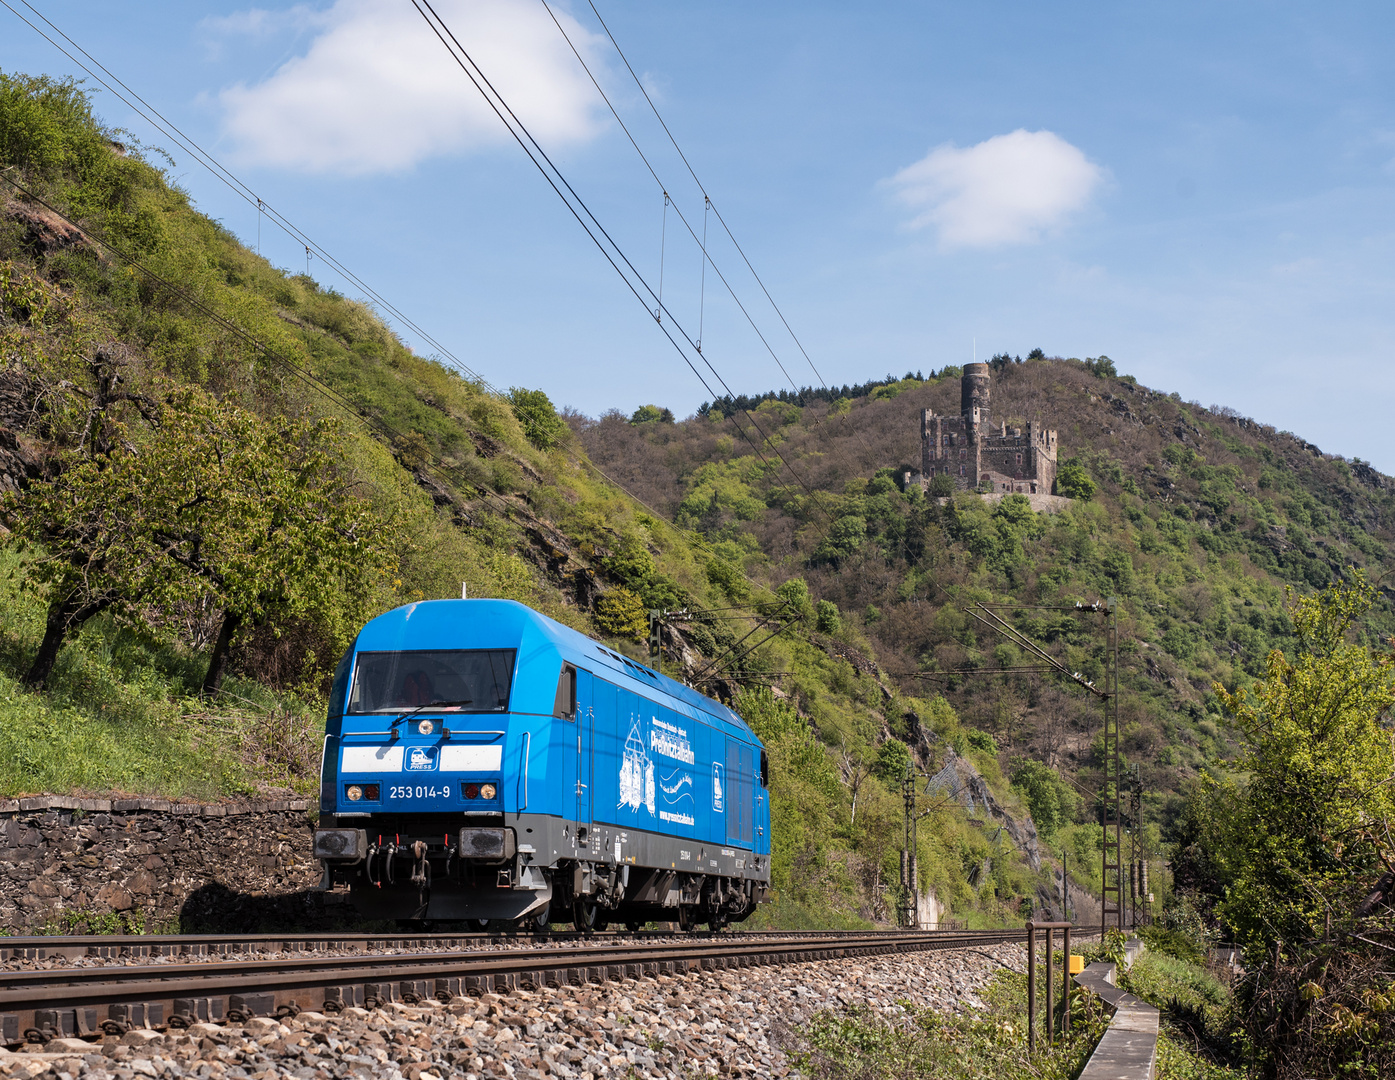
[975, 394]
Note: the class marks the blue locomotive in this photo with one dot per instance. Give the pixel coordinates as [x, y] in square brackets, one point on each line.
[484, 762]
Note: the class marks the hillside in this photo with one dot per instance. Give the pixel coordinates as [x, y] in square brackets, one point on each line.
[215, 470]
[1198, 521]
[145, 350]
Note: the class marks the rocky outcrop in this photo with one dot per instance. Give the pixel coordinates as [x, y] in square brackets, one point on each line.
[960, 780]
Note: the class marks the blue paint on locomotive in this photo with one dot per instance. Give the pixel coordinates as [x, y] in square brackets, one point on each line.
[643, 751]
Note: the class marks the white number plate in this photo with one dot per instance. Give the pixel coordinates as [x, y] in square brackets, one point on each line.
[419, 792]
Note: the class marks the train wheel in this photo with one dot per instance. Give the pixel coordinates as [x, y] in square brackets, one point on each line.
[478, 924]
[541, 922]
[633, 926]
[585, 916]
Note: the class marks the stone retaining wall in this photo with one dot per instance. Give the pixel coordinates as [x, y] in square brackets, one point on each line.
[154, 864]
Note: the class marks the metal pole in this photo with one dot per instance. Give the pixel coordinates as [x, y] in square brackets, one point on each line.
[1065, 989]
[1050, 993]
[1031, 987]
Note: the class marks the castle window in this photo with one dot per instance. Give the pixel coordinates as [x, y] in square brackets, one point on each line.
[963, 454]
[1019, 459]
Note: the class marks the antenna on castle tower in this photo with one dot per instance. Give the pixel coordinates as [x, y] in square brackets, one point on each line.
[975, 350]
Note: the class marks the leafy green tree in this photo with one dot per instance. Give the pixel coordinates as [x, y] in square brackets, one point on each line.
[621, 612]
[893, 759]
[192, 498]
[846, 536]
[650, 414]
[827, 619]
[1317, 811]
[1041, 789]
[940, 486]
[1074, 482]
[795, 593]
[541, 424]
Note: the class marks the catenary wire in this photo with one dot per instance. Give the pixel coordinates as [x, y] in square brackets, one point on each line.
[715, 210]
[373, 423]
[153, 116]
[236, 185]
[497, 103]
[701, 242]
[160, 122]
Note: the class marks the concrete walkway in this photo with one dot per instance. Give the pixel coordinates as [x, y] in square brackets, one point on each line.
[1129, 1048]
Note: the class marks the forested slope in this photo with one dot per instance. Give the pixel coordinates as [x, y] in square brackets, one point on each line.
[1198, 519]
[215, 470]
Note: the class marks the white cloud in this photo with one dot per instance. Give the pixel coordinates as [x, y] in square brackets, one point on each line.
[376, 92]
[1010, 189]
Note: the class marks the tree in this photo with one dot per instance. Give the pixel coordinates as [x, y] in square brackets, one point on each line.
[846, 536]
[1316, 814]
[1042, 791]
[279, 536]
[541, 424]
[827, 619]
[187, 497]
[1074, 482]
[622, 613]
[893, 759]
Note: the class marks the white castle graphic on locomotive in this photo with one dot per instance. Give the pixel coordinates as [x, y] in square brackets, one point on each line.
[636, 774]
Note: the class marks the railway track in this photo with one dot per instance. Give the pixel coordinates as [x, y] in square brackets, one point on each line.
[37, 1005]
[105, 946]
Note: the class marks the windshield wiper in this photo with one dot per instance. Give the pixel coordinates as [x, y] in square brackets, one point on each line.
[429, 705]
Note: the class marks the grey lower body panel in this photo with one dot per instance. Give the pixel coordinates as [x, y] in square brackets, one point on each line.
[626, 874]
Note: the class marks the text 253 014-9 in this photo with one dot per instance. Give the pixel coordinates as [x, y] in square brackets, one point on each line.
[442, 792]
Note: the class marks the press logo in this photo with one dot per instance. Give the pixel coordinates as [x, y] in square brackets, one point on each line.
[422, 759]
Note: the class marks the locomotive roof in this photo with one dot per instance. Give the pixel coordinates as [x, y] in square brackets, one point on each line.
[507, 624]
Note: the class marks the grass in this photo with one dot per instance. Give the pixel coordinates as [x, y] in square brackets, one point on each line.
[861, 1044]
[913, 1042]
[122, 716]
[1193, 1039]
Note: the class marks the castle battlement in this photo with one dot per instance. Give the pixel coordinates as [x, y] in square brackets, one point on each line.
[967, 449]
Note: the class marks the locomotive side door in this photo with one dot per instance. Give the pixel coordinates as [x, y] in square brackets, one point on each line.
[585, 733]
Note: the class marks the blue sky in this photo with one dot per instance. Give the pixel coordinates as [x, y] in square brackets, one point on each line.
[1204, 192]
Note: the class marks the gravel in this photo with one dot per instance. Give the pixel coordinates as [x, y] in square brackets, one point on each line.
[725, 1024]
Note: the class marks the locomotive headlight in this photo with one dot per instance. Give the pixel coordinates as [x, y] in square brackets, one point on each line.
[354, 793]
[425, 727]
[486, 791]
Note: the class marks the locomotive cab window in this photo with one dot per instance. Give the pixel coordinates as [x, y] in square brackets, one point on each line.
[454, 680]
[565, 704]
[764, 770]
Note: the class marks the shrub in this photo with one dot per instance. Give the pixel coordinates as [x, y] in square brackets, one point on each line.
[541, 424]
[621, 613]
[1074, 482]
[826, 617]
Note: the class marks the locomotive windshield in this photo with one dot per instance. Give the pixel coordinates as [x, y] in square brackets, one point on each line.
[456, 680]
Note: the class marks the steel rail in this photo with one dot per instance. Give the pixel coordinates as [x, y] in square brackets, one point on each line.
[73, 946]
[87, 1001]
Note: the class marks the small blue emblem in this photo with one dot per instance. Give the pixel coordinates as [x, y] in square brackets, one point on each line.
[422, 759]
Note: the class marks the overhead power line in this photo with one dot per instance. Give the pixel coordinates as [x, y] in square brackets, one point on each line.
[597, 232]
[708, 205]
[705, 193]
[162, 124]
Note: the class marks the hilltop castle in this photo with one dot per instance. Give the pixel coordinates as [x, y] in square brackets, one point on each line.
[971, 451]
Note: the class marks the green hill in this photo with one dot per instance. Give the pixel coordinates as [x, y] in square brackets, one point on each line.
[174, 410]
